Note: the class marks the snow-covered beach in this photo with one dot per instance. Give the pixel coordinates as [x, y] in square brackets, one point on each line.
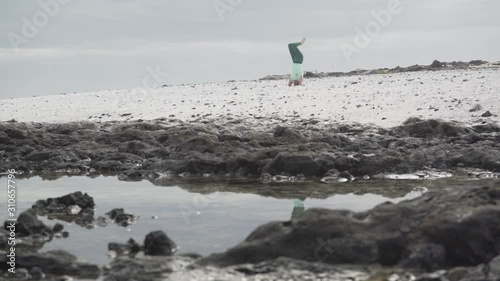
[335, 134]
[382, 99]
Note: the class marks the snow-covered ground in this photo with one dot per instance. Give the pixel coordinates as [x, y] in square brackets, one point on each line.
[385, 100]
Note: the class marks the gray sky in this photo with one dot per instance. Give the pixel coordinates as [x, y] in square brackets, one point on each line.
[109, 44]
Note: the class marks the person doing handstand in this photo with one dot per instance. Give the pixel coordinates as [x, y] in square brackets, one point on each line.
[297, 75]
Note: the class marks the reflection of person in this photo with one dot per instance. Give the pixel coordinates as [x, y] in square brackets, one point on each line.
[297, 72]
[298, 208]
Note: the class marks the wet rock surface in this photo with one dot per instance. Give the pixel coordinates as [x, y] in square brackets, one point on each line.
[444, 229]
[29, 229]
[448, 235]
[77, 207]
[150, 150]
[456, 227]
[40, 266]
[131, 248]
[119, 217]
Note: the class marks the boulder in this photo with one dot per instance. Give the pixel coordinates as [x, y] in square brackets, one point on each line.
[487, 114]
[157, 243]
[436, 64]
[121, 218]
[64, 204]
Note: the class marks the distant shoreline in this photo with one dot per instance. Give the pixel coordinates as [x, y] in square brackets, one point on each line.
[434, 66]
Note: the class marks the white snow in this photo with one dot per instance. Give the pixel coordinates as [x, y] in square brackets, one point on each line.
[386, 100]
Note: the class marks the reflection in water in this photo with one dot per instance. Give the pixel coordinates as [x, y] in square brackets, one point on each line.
[225, 214]
[298, 208]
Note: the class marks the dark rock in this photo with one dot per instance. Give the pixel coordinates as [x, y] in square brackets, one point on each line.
[4, 139]
[38, 155]
[25, 150]
[376, 164]
[292, 164]
[58, 263]
[127, 269]
[133, 175]
[121, 218]
[290, 134]
[137, 151]
[57, 228]
[346, 163]
[130, 248]
[141, 126]
[200, 144]
[484, 272]
[425, 256]
[459, 65]
[436, 64]
[74, 207]
[14, 133]
[335, 140]
[487, 114]
[309, 74]
[134, 147]
[157, 152]
[62, 205]
[487, 128]
[415, 68]
[157, 243]
[477, 158]
[416, 127]
[28, 224]
[107, 166]
[71, 127]
[473, 138]
[477, 62]
[37, 273]
[433, 232]
[244, 166]
[224, 138]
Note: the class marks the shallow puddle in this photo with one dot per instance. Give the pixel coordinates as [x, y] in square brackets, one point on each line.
[203, 218]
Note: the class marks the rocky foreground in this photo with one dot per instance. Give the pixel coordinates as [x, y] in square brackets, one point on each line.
[453, 234]
[312, 149]
[449, 235]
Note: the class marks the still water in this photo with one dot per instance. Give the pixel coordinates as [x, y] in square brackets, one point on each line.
[203, 219]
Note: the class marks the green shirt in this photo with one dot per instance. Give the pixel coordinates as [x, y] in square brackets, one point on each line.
[297, 72]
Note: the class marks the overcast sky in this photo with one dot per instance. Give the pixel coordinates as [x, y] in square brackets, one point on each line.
[109, 44]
